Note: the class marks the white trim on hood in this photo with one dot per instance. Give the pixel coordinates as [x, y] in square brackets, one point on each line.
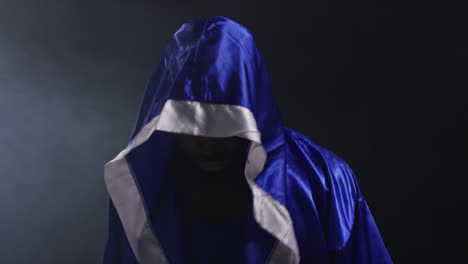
[202, 119]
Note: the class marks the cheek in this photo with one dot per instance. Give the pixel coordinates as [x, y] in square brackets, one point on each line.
[235, 149]
[187, 145]
[232, 148]
[235, 145]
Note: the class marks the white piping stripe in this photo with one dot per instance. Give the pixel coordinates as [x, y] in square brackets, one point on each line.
[129, 205]
[218, 121]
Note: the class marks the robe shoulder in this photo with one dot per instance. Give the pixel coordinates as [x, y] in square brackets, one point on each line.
[328, 208]
[330, 169]
[329, 183]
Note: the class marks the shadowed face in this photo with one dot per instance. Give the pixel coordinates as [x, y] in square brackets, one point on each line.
[211, 154]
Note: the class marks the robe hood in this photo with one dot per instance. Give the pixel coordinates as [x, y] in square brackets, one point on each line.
[212, 80]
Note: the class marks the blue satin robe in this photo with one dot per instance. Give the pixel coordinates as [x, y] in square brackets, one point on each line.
[215, 60]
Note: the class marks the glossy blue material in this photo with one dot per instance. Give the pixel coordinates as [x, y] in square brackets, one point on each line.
[215, 60]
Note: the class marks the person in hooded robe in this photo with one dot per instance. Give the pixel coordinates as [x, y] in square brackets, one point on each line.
[212, 175]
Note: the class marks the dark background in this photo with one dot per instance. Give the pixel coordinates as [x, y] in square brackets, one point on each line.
[382, 84]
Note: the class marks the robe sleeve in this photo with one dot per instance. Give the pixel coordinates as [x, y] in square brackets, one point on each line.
[354, 236]
[364, 245]
[117, 248]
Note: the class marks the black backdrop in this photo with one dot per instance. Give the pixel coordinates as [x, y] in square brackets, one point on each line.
[379, 83]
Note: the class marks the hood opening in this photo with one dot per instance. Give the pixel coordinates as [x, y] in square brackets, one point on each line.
[210, 81]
